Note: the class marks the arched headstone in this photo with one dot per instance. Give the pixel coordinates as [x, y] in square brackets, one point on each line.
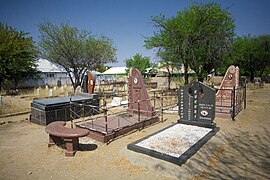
[38, 92]
[137, 93]
[78, 90]
[50, 92]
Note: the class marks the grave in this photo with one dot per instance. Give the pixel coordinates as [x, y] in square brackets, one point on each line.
[226, 92]
[138, 97]
[89, 82]
[197, 104]
[178, 142]
[140, 113]
[230, 80]
[45, 111]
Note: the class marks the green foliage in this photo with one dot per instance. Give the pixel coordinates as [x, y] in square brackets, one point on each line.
[198, 37]
[17, 55]
[138, 62]
[74, 50]
[252, 54]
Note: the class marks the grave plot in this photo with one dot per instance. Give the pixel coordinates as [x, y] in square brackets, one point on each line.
[45, 111]
[177, 143]
[230, 95]
[140, 113]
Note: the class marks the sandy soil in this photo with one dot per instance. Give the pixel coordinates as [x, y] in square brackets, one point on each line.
[240, 150]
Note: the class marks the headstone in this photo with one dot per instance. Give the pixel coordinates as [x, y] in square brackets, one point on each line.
[54, 88]
[65, 86]
[230, 80]
[125, 87]
[197, 104]
[111, 87]
[50, 92]
[62, 89]
[137, 93]
[91, 82]
[1, 100]
[98, 88]
[46, 87]
[38, 92]
[78, 90]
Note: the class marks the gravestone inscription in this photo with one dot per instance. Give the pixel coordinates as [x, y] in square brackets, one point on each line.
[197, 104]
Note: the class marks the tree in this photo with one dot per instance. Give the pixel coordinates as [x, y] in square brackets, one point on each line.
[170, 63]
[138, 62]
[252, 54]
[74, 50]
[198, 37]
[17, 55]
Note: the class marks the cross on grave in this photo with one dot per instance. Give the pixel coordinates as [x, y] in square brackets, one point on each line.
[196, 103]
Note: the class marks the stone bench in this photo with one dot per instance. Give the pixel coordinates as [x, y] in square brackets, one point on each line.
[59, 134]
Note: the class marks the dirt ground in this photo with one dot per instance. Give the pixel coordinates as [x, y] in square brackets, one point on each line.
[240, 150]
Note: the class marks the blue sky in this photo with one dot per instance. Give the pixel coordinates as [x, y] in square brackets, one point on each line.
[126, 22]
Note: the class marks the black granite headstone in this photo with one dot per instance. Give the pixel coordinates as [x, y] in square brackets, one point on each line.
[197, 104]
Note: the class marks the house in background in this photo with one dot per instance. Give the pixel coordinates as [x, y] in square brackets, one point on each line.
[50, 75]
[112, 74]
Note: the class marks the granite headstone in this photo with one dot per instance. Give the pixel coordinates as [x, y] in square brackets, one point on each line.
[197, 104]
[137, 93]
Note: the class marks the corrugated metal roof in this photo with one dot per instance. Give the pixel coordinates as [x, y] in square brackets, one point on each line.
[116, 70]
[46, 66]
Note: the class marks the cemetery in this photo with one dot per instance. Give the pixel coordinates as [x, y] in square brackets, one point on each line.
[134, 90]
[172, 137]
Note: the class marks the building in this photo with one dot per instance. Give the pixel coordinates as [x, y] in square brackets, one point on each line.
[50, 75]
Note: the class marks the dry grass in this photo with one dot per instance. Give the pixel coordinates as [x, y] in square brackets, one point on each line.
[22, 101]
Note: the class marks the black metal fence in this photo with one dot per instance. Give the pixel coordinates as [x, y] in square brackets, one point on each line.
[234, 104]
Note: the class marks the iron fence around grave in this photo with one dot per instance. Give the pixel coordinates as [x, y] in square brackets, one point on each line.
[233, 105]
[107, 121]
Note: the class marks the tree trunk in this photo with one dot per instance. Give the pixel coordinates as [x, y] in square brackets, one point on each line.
[252, 76]
[16, 83]
[186, 73]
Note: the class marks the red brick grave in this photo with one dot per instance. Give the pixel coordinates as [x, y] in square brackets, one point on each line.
[140, 113]
[226, 92]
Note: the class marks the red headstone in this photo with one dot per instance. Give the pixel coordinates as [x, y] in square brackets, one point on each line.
[91, 82]
[137, 94]
[230, 80]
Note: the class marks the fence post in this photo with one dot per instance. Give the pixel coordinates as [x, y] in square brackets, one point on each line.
[162, 106]
[233, 102]
[70, 112]
[105, 115]
[245, 95]
[139, 113]
[154, 100]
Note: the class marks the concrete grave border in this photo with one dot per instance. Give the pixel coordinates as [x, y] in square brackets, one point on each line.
[175, 160]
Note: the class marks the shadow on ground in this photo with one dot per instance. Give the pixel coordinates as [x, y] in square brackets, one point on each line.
[243, 155]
